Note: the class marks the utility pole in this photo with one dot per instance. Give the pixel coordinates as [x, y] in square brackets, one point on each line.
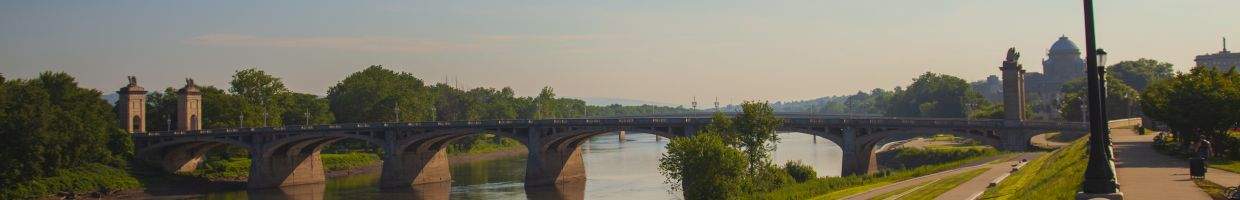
[307, 114]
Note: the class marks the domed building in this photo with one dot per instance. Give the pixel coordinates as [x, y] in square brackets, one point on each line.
[1063, 63]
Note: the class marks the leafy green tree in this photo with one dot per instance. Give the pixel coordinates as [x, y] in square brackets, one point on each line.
[1140, 73]
[161, 108]
[754, 129]
[934, 95]
[50, 123]
[261, 94]
[704, 167]
[1203, 102]
[1121, 100]
[373, 94]
[307, 109]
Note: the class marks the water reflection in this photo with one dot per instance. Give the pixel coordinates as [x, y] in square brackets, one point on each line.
[615, 170]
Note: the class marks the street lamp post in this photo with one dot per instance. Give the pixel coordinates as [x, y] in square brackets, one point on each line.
[1100, 179]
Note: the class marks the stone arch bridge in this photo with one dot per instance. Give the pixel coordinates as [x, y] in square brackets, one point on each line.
[415, 153]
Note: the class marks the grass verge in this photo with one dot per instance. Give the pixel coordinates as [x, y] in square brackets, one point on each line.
[237, 169]
[1214, 190]
[934, 189]
[1056, 175]
[838, 187]
[1226, 165]
[90, 178]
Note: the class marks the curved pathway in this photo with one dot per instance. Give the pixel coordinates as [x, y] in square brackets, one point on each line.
[1146, 174]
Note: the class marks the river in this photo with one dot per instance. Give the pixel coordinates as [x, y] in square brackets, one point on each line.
[614, 170]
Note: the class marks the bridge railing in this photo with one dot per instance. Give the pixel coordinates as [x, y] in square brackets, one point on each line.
[637, 121]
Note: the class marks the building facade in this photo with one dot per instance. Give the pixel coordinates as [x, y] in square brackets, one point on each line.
[1063, 63]
[1223, 60]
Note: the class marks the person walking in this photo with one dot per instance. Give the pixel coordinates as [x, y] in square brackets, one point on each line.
[1197, 163]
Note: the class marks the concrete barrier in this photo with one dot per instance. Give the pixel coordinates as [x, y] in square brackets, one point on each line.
[1121, 123]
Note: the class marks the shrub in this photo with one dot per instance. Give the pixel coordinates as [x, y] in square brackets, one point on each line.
[800, 171]
[703, 167]
[78, 180]
[769, 178]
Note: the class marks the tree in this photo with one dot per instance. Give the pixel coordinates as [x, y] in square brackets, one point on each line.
[704, 167]
[307, 109]
[50, 123]
[934, 95]
[1140, 73]
[1121, 100]
[261, 94]
[373, 94]
[754, 129]
[1203, 102]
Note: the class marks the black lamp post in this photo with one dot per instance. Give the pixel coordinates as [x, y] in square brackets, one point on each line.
[1100, 179]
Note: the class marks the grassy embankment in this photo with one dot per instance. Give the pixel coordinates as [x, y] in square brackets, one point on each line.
[838, 187]
[1056, 175]
[239, 168]
[934, 188]
[485, 144]
[90, 178]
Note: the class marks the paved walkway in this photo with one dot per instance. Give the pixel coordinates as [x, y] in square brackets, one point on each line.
[974, 188]
[936, 176]
[1146, 174]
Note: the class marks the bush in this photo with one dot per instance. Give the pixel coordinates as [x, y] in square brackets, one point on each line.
[800, 171]
[769, 178]
[703, 167]
[79, 180]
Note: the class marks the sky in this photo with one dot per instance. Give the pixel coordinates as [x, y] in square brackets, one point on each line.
[667, 51]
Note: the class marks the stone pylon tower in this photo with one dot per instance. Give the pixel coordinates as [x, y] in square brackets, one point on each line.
[189, 107]
[132, 105]
[1013, 87]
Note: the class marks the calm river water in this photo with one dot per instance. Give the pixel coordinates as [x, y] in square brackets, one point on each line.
[614, 170]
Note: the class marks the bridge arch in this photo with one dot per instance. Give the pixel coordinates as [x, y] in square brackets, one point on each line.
[184, 154]
[830, 134]
[421, 157]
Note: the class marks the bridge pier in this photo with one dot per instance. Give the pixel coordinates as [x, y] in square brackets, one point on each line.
[547, 167]
[407, 169]
[294, 164]
[1015, 140]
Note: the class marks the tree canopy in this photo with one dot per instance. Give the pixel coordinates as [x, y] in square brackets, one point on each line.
[934, 95]
[1204, 101]
[1121, 100]
[50, 123]
[1140, 73]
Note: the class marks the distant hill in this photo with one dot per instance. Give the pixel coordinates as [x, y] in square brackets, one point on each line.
[111, 97]
[603, 101]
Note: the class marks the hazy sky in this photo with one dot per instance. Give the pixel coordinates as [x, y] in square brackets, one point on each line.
[658, 50]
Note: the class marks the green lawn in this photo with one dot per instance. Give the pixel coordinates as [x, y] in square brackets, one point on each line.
[1214, 190]
[1226, 165]
[239, 168]
[934, 189]
[1056, 175]
[899, 191]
